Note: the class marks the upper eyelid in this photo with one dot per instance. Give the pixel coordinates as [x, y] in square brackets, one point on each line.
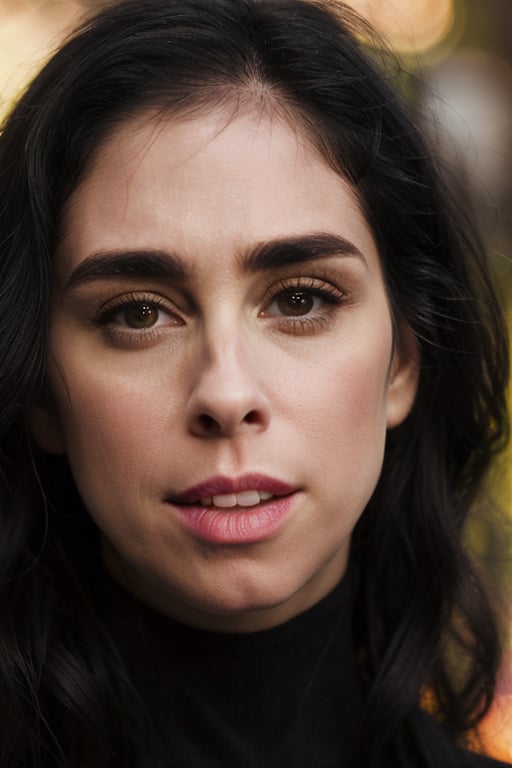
[107, 312]
[306, 283]
[134, 297]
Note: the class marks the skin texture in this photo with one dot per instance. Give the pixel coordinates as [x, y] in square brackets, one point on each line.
[226, 381]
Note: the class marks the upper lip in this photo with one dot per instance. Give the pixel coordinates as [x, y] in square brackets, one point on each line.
[219, 484]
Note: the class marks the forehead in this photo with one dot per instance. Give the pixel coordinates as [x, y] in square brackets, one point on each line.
[213, 181]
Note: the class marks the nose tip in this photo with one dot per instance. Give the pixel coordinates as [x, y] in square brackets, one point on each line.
[227, 397]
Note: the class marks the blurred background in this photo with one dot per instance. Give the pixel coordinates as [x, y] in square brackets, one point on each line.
[458, 56]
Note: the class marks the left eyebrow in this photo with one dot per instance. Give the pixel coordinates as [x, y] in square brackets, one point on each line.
[144, 263]
[292, 250]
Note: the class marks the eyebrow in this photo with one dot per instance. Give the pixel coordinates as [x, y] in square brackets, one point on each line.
[292, 250]
[140, 263]
[279, 252]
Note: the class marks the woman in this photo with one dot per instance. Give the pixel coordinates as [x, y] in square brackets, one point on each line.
[253, 373]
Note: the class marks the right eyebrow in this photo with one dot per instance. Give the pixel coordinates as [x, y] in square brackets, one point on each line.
[285, 251]
[144, 263]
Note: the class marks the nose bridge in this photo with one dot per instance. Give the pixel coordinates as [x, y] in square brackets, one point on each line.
[226, 395]
[226, 358]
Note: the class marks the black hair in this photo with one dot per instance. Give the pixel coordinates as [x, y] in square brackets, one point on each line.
[63, 691]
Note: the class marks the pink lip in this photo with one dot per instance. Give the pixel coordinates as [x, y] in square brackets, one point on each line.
[236, 525]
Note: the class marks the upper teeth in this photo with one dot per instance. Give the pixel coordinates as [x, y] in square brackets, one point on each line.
[243, 499]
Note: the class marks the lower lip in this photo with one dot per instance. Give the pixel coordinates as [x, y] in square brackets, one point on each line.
[238, 525]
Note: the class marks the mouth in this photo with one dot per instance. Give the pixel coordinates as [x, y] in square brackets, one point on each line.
[222, 492]
[235, 511]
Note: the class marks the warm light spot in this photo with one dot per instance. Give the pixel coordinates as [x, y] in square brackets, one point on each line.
[29, 32]
[411, 26]
[494, 736]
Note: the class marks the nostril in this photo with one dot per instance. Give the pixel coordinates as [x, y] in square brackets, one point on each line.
[252, 417]
[208, 423]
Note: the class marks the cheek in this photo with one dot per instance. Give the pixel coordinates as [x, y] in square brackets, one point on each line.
[343, 425]
[110, 424]
[355, 422]
[344, 402]
[112, 405]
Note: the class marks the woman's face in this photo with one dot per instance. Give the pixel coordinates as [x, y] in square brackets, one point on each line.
[221, 365]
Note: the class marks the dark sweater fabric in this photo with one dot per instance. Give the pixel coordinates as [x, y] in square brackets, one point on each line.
[287, 697]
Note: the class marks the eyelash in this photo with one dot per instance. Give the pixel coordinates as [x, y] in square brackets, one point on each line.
[106, 317]
[313, 320]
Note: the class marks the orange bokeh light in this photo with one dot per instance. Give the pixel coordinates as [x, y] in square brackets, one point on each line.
[411, 26]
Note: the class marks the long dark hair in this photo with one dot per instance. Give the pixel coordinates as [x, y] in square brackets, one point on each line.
[63, 691]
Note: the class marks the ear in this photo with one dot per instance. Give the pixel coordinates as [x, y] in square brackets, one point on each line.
[45, 427]
[403, 377]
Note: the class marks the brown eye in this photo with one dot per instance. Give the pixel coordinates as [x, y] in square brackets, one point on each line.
[140, 315]
[295, 302]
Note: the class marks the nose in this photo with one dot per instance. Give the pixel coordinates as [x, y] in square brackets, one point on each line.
[227, 398]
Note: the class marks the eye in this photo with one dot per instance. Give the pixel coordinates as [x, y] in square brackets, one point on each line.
[303, 305]
[294, 302]
[138, 315]
[299, 300]
[130, 318]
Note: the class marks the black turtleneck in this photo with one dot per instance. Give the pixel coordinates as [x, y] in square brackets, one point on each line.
[285, 697]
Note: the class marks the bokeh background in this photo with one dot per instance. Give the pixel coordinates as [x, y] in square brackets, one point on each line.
[458, 54]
